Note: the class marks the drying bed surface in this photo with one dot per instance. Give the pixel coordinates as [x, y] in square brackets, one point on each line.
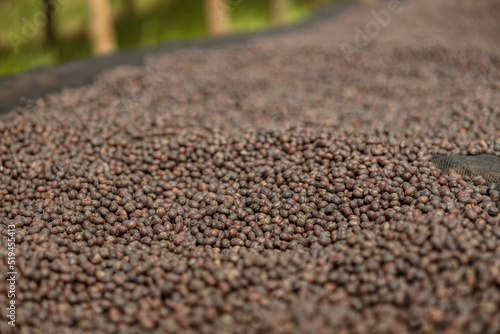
[282, 185]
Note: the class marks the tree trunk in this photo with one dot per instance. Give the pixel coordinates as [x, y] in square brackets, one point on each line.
[101, 27]
[278, 11]
[49, 29]
[217, 17]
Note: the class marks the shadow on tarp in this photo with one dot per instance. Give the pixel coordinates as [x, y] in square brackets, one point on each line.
[41, 81]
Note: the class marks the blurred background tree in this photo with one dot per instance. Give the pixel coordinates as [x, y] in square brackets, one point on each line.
[101, 27]
[48, 32]
[216, 16]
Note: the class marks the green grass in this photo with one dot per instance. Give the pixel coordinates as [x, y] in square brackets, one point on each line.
[138, 23]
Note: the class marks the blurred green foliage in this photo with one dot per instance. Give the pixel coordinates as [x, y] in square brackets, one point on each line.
[138, 23]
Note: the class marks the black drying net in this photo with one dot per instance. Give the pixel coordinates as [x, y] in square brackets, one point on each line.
[484, 165]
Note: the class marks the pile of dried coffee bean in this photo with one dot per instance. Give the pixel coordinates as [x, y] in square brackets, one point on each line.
[277, 186]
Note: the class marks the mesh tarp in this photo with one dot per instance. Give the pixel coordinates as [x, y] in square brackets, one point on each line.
[484, 165]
